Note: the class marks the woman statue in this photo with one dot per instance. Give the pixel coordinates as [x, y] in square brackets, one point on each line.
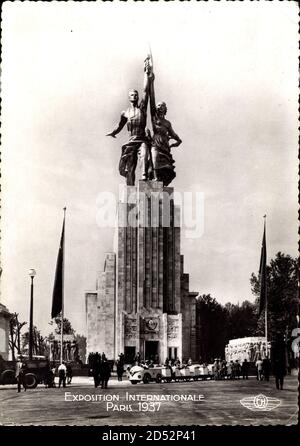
[162, 160]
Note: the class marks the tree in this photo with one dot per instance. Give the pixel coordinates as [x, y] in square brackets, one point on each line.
[15, 335]
[81, 342]
[211, 328]
[67, 326]
[39, 346]
[241, 320]
[282, 296]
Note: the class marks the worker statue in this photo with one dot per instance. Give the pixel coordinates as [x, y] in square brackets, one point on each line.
[153, 151]
[138, 145]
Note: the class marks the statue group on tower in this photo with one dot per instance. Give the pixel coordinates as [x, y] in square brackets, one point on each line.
[153, 150]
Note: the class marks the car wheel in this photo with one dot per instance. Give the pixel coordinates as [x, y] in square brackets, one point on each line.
[8, 377]
[146, 378]
[31, 381]
[158, 378]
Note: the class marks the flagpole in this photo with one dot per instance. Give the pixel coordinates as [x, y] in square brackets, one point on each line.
[62, 300]
[266, 292]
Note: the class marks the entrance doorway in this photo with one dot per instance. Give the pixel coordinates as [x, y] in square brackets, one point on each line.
[129, 355]
[151, 351]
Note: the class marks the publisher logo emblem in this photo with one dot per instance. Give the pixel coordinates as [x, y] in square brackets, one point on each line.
[260, 403]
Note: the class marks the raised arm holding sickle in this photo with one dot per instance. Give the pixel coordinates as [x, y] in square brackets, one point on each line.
[162, 160]
[138, 145]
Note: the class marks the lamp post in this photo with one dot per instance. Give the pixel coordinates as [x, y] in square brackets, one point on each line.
[32, 274]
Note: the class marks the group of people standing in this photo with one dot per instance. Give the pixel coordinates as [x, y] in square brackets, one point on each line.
[65, 374]
[234, 370]
[230, 370]
[263, 369]
[101, 369]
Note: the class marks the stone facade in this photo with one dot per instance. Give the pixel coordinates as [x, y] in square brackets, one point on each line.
[150, 310]
[100, 310]
[5, 316]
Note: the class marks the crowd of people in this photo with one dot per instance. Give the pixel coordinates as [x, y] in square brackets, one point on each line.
[63, 371]
[100, 369]
[223, 369]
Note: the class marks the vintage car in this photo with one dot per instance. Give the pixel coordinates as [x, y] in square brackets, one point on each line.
[195, 371]
[146, 374]
[139, 373]
[37, 370]
[185, 373]
[7, 372]
[200, 371]
[188, 373]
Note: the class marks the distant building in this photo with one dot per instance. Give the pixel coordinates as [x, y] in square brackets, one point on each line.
[5, 316]
[142, 303]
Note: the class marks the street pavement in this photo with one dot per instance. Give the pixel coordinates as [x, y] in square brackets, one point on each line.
[210, 403]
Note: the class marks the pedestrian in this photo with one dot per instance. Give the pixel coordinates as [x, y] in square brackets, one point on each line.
[258, 365]
[20, 374]
[232, 369]
[120, 368]
[69, 374]
[237, 369]
[215, 369]
[62, 371]
[104, 373]
[96, 369]
[245, 369]
[279, 372]
[49, 378]
[223, 369]
[229, 370]
[205, 370]
[266, 367]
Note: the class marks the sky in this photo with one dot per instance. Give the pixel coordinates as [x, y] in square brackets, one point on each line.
[228, 72]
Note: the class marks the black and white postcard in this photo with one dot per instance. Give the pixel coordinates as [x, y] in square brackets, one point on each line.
[149, 215]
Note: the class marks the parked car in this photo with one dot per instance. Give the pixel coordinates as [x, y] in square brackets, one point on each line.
[37, 371]
[145, 374]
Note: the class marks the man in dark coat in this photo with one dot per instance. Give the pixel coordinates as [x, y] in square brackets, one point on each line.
[279, 372]
[104, 373]
[266, 367]
[120, 367]
[279, 361]
[245, 369]
[96, 369]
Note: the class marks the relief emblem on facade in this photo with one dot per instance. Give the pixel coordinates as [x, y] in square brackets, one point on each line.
[130, 328]
[150, 325]
[173, 328]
